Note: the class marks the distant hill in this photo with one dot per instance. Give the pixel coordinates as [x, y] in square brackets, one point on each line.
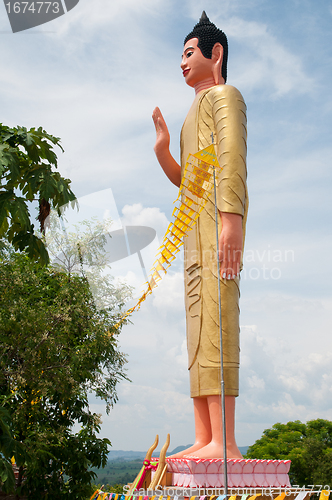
[178, 449]
[243, 449]
[133, 455]
[126, 455]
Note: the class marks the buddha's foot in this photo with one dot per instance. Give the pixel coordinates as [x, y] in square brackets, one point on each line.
[215, 450]
[194, 448]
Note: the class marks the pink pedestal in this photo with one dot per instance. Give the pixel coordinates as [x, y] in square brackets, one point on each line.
[196, 472]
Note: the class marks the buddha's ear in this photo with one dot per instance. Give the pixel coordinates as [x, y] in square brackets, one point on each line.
[217, 57]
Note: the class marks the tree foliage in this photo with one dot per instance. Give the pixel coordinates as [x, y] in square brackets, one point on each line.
[57, 346]
[28, 173]
[308, 446]
[9, 447]
[81, 250]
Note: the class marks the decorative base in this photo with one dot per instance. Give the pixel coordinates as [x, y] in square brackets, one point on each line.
[196, 472]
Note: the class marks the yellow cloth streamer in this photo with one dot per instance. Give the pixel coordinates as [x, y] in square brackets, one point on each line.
[195, 189]
[324, 495]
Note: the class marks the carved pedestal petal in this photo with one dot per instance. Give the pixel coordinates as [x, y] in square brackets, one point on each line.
[282, 471]
[271, 472]
[241, 473]
[248, 472]
[198, 471]
[236, 479]
[259, 473]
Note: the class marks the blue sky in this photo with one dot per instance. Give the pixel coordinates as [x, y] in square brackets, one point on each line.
[93, 78]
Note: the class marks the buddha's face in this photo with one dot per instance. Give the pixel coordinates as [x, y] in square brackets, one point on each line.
[194, 65]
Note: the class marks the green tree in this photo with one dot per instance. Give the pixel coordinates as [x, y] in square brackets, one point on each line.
[9, 447]
[308, 446]
[28, 173]
[57, 346]
[81, 250]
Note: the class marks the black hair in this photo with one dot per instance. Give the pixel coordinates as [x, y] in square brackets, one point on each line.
[208, 35]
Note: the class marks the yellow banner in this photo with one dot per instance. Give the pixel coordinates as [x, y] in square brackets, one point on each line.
[197, 183]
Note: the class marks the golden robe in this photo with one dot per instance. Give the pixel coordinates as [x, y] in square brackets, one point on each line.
[219, 110]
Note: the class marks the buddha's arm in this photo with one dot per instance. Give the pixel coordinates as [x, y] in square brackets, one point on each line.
[171, 168]
[230, 245]
[229, 111]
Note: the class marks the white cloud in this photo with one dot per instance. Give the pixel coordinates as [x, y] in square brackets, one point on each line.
[153, 410]
[170, 296]
[89, 18]
[292, 174]
[265, 62]
[275, 387]
[136, 215]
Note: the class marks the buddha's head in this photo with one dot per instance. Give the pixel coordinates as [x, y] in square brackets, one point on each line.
[210, 41]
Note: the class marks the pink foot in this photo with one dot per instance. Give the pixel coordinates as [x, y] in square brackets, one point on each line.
[215, 450]
[192, 449]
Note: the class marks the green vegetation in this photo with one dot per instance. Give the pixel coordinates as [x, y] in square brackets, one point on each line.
[27, 174]
[118, 472]
[8, 448]
[56, 348]
[308, 446]
[58, 340]
[82, 251]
